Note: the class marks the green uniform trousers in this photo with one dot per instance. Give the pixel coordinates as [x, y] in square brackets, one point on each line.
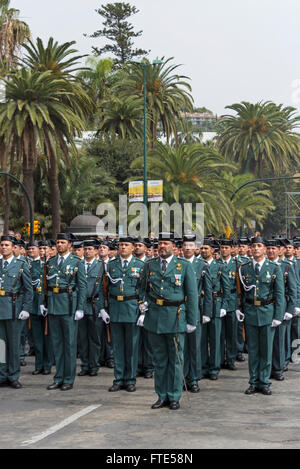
[64, 342]
[229, 338]
[145, 358]
[44, 357]
[295, 334]
[288, 335]
[193, 357]
[279, 351]
[89, 343]
[168, 380]
[106, 350]
[260, 345]
[211, 347]
[125, 339]
[10, 334]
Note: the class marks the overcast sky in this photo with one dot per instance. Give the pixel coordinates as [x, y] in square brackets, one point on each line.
[232, 50]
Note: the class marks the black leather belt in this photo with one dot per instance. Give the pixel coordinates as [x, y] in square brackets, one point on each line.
[123, 298]
[61, 290]
[92, 298]
[217, 294]
[162, 302]
[233, 290]
[259, 302]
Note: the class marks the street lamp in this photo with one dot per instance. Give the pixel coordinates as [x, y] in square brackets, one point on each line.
[145, 192]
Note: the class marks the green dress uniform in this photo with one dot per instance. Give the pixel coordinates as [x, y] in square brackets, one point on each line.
[90, 326]
[229, 333]
[192, 347]
[62, 305]
[295, 326]
[15, 296]
[124, 311]
[44, 357]
[211, 331]
[261, 305]
[173, 303]
[106, 350]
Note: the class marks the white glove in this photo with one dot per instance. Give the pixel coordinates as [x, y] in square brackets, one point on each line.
[297, 311]
[275, 323]
[78, 315]
[190, 328]
[239, 315]
[222, 313]
[23, 315]
[104, 316]
[287, 316]
[205, 319]
[140, 321]
[143, 306]
[44, 310]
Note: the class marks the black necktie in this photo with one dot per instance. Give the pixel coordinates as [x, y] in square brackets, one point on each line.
[88, 267]
[125, 264]
[163, 265]
[5, 264]
[257, 268]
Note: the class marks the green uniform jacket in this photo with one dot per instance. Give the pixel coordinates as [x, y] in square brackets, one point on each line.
[127, 285]
[177, 283]
[94, 279]
[220, 286]
[232, 272]
[70, 273]
[204, 285]
[37, 274]
[263, 315]
[296, 263]
[8, 279]
[290, 285]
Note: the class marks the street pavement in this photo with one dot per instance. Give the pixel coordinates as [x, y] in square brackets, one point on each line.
[90, 417]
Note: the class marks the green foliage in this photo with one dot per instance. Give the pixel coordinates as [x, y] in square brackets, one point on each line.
[118, 31]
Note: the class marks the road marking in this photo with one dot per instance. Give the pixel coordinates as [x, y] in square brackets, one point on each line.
[60, 425]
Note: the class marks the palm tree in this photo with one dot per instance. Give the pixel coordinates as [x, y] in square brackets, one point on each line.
[60, 61]
[251, 203]
[191, 173]
[34, 117]
[167, 94]
[123, 117]
[259, 135]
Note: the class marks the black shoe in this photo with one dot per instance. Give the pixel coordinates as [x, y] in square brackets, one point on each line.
[15, 384]
[37, 372]
[110, 364]
[278, 377]
[83, 373]
[213, 377]
[23, 363]
[285, 368]
[231, 367]
[46, 372]
[148, 375]
[266, 391]
[93, 373]
[159, 404]
[240, 358]
[194, 388]
[174, 405]
[31, 353]
[54, 386]
[130, 388]
[251, 390]
[139, 374]
[66, 387]
[114, 388]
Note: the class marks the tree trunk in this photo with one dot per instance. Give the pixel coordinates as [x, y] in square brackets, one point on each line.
[54, 197]
[6, 205]
[28, 170]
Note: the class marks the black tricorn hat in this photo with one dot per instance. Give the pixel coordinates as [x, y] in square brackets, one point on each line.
[12, 239]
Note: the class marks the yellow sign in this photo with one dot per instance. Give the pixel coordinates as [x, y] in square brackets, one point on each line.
[154, 191]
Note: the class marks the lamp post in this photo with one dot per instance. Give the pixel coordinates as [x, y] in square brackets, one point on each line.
[145, 178]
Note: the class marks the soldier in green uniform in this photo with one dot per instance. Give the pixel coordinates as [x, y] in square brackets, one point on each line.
[211, 332]
[15, 305]
[145, 362]
[124, 274]
[66, 295]
[90, 326]
[44, 356]
[230, 323]
[295, 326]
[280, 346]
[170, 290]
[192, 347]
[263, 310]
